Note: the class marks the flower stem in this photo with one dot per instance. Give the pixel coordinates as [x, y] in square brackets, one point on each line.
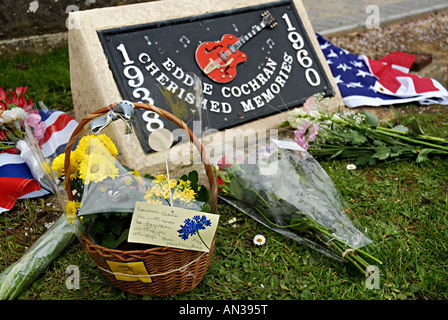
[203, 241]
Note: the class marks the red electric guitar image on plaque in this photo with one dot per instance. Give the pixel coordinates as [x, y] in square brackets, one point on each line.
[218, 60]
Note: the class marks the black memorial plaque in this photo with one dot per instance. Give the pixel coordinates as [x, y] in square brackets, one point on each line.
[252, 62]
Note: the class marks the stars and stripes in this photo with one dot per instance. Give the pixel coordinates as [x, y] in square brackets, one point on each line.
[366, 82]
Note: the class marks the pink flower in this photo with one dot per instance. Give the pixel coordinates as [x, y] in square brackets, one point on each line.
[308, 105]
[301, 141]
[39, 131]
[34, 120]
[305, 125]
[313, 132]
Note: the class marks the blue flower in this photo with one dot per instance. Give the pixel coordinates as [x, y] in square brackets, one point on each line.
[192, 226]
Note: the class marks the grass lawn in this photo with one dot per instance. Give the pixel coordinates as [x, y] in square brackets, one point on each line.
[402, 206]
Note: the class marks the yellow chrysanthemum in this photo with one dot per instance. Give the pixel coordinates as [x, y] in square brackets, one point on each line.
[71, 210]
[58, 166]
[90, 144]
[97, 167]
[107, 142]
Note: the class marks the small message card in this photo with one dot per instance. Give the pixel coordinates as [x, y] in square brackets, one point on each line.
[172, 227]
[136, 269]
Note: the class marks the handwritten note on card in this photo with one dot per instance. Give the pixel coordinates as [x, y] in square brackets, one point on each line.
[172, 227]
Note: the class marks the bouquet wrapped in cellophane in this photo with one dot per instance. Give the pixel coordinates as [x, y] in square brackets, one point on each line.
[283, 187]
[105, 192]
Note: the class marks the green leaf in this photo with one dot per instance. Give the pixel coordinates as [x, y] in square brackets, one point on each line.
[371, 119]
[354, 137]
[364, 159]
[123, 237]
[236, 189]
[115, 226]
[206, 208]
[423, 154]
[401, 128]
[243, 182]
[382, 153]
[99, 226]
[203, 194]
[250, 197]
[396, 151]
[288, 208]
[108, 241]
[148, 176]
[334, 155]
[415, 126]
[193, 176]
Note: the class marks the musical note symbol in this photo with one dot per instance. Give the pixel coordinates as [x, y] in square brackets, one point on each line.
[148, 41]
[270, 43]
[234, 26]
[185, 41]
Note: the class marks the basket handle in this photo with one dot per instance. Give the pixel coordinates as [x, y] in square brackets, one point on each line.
[161, 112]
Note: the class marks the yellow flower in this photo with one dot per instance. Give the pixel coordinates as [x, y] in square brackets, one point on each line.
[71, 210]
[160, 190]
[137, 175]
[90, 144]
[154, 201]
[107, 142]
[97, 167]
[58, 166]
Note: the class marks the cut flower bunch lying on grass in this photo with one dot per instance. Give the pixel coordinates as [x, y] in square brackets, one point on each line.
[359, 136]
[289, 192]
[15, 111]
[96, 174]
[21, 130]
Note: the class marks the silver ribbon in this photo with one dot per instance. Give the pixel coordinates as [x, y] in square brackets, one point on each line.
[123, 110]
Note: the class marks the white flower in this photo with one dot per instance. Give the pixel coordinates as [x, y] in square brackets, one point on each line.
[298, 112]
[259, 240]
[315, 114]
[351, 167]
[14, 115]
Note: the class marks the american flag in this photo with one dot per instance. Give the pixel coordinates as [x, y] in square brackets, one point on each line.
[16, 179]
[366, 82]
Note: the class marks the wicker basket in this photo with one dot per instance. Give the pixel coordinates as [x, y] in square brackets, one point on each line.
[169, 270]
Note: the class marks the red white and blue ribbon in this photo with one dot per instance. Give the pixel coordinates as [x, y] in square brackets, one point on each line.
[16, 179]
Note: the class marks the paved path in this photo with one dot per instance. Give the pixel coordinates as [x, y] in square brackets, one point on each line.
[334, 16]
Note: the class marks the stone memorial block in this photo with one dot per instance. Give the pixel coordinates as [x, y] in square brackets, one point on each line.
[253, 61]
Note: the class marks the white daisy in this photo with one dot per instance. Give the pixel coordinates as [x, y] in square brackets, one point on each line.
[351, 167]
[259, 240]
